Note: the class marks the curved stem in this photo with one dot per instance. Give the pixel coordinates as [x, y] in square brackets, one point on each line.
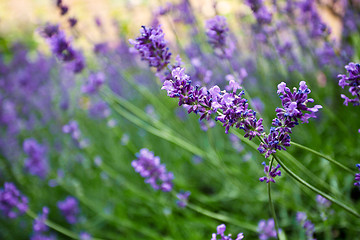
[323, 156]
[57, 228]
[314, 189]
[221, 217]
[271, 203]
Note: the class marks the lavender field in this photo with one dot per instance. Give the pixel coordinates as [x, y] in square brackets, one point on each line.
[177, 120]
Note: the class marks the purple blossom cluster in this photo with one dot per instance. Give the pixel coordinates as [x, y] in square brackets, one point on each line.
[62, 48]
[12, 202]
[270, 175]
[183, 198]
[309, 227]
[72, 128]
[152, 47]
[353, 81]
[231, 108]
[357, 176]
[266, 229]
[40, 228]
[220, 232]
[294, 106]
[261, 13]
[21, 79]
[311, 17]
[217, 31]
[62, 7]
[69, 208]
[150, 168]
[323, 202]
[37, 162]
[94, 83]
[85, 236]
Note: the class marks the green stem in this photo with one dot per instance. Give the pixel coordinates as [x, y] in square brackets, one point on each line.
[314, 189]
[223, 218]
[323, 156]
[271, 203]
[57, 228]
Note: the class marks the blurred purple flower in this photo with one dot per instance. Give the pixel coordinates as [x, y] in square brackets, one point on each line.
[12, 202]
[183, 198]
[266, 229]
[220, 230]
[301, 218]
[353, 81]
[95, 81]
[152, 47]
[69, 208]
[150, 168]
[217, 31]
[36, 163]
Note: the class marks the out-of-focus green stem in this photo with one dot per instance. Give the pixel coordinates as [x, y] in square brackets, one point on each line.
[270, 201]
[323, 156]
[223, 218]
[314, 189]
[58, 228]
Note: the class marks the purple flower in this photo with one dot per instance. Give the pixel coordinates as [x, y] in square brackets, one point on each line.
[183, 198]
[12, 202]
[353, 81]
[266, 229]
[40, 236]
[217, 31]
[152, 47]
[62, 48]
[262, 15]
[357, 176]
[231, 108]
[72, 21]
[72, 128]
[294, 107]
[220, 230]
[150, 168]
[85, 236]
[99, 110]
[95, 81]
[39, 225]
[69, 208]
[270, 175]
[323, 202]
[310, 17]
[36, 163]
[307, 225]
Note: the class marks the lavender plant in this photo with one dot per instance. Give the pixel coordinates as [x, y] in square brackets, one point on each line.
[72, 123]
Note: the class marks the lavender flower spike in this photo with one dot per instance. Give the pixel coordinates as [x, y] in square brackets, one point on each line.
[152, 47]
[357, 176]
[220, 230]
[353, 81]
[217, 31]
[266, 229]
[36, 163]
[69, 208]
[270, 175]
[231, 108]
[94, 83]
[183, 198]
[12, 202]
[294, 106]
[39, 225]
[153, 171]
[307, 225]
